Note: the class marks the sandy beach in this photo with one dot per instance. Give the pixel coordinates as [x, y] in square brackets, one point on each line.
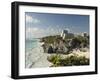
[37, 58]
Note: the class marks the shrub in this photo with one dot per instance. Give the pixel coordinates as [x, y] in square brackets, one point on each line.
[55, 59]
[68, 61]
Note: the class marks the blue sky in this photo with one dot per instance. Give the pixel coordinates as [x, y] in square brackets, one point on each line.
[44, 24]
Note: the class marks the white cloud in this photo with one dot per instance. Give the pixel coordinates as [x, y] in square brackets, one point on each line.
[35, 32]
[36, 21]
[29, 29]
[31, 32]
[30, 19]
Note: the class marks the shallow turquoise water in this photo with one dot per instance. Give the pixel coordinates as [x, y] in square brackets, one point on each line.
[30, 44]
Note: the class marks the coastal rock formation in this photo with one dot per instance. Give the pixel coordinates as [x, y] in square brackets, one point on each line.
[64, 45]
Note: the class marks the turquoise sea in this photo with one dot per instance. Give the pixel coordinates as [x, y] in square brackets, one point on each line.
[30, 44]
[33, 52]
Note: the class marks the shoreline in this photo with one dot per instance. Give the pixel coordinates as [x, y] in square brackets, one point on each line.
[37, 58]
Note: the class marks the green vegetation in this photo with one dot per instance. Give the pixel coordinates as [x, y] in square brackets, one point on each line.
[68, 61]
[55, 59]
[84, 40]
[69, 37]
[56, 44]
[50, 39]
[65, 46]
[79, 42]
